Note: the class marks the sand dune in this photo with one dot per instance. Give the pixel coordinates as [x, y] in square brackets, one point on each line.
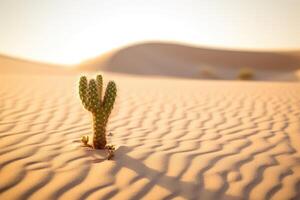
[12, 65]
[166, 59]
[175, 138]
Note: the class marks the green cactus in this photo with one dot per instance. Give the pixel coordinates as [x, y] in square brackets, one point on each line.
[91, 96]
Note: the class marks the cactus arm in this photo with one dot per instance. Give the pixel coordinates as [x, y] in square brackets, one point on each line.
[102, 114]
[83, 92]
[93, 96]
[109, 98]
[99, 81]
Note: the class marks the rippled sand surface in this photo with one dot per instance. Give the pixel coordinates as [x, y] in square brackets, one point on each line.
[175, 139]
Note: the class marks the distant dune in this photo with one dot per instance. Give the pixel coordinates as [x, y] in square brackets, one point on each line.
[22, 66]
[174, 60]
[166, 59]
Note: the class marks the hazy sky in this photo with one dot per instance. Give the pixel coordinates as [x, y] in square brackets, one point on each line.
[68, 31]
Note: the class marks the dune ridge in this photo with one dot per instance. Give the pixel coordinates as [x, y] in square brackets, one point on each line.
[178, 60]
[175, 138]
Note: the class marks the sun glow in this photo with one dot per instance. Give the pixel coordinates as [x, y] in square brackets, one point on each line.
[67, 32]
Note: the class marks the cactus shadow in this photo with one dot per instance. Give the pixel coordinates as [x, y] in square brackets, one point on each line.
[97, 155]
[176, 186]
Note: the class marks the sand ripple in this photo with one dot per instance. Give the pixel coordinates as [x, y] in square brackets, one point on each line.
[180, 139]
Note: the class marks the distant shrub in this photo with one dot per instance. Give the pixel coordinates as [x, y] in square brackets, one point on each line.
[208, 72]
[246, 74]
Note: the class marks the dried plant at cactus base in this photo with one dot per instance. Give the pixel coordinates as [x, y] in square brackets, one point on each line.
[90, 93]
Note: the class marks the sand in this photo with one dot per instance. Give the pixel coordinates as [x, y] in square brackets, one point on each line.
[175, 139]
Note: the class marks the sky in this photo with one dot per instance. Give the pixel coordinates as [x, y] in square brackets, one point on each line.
[69, 31]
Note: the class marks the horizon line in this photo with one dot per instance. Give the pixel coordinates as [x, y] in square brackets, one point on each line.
[208, 47]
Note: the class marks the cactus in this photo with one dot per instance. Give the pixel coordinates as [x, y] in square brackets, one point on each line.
[91, 96]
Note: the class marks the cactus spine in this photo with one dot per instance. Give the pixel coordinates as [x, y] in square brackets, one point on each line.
[90, 93]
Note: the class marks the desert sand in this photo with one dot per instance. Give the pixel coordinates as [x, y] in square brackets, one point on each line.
[176, 138]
